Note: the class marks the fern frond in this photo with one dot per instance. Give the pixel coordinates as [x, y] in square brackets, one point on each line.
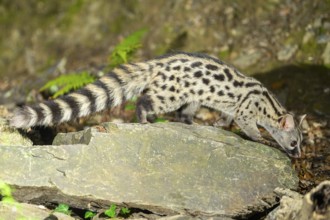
[124, 50]
[68, 82]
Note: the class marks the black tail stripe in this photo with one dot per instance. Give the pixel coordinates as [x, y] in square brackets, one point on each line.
[39, 112]
[90, 97]
[74, 106]
[108, 92]
[116, 77]
[56, 111]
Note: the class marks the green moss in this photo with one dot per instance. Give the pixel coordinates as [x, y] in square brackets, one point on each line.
[70, 11]
[224, 54]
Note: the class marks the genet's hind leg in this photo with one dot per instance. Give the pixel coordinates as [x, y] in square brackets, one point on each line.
[144, 107]
[186, 113]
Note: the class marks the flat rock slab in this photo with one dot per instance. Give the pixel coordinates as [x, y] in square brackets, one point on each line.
[167, 168]
[28, 211]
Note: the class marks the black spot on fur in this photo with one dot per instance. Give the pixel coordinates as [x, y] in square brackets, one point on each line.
[196, 64]
[168, 68]
[160, 64]
[172, 61]
[200, 92]
[219, 77]
[172, 89]
[238, 84]
[192, 91]
[177, 68]
[239, 97]
[220, 93]
[231, 95]
[251, 84]
[206, 81]
[172, 78]
[161, 98]
[172, 98]
[163, 87]
[228, 74]
[211, 67]
[186, 69]
[212, 89]
[164, 77]
[198, 74]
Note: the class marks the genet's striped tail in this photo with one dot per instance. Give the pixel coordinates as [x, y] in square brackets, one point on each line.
[110, 90]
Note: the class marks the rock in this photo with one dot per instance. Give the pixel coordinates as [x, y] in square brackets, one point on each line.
[308, 36]
[326, 54]
[248, 59]
[12, 137]
[287, 52]
[315, 205]
[166, 168]
[290, 203]
[28, 211]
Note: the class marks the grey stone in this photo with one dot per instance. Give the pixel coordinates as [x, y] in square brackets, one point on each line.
[166, 168]
[287, 52]
[10, 136]
[326, 54]
[248, 59]
[28, 211]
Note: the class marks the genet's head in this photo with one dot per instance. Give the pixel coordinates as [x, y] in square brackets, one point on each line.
[289, 135]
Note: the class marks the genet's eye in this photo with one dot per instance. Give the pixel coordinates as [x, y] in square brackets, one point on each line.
[293, 143]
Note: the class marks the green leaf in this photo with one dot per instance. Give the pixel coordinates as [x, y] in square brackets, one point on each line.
[68, 82]
[126, 48]
[111, 212]
[5, 190]
[161, 120]
[130, 106]
[89, 214]
[63, 208]
[124, 211]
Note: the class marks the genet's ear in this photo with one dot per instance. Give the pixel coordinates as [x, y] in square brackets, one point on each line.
[301, 119]
[286, 122]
